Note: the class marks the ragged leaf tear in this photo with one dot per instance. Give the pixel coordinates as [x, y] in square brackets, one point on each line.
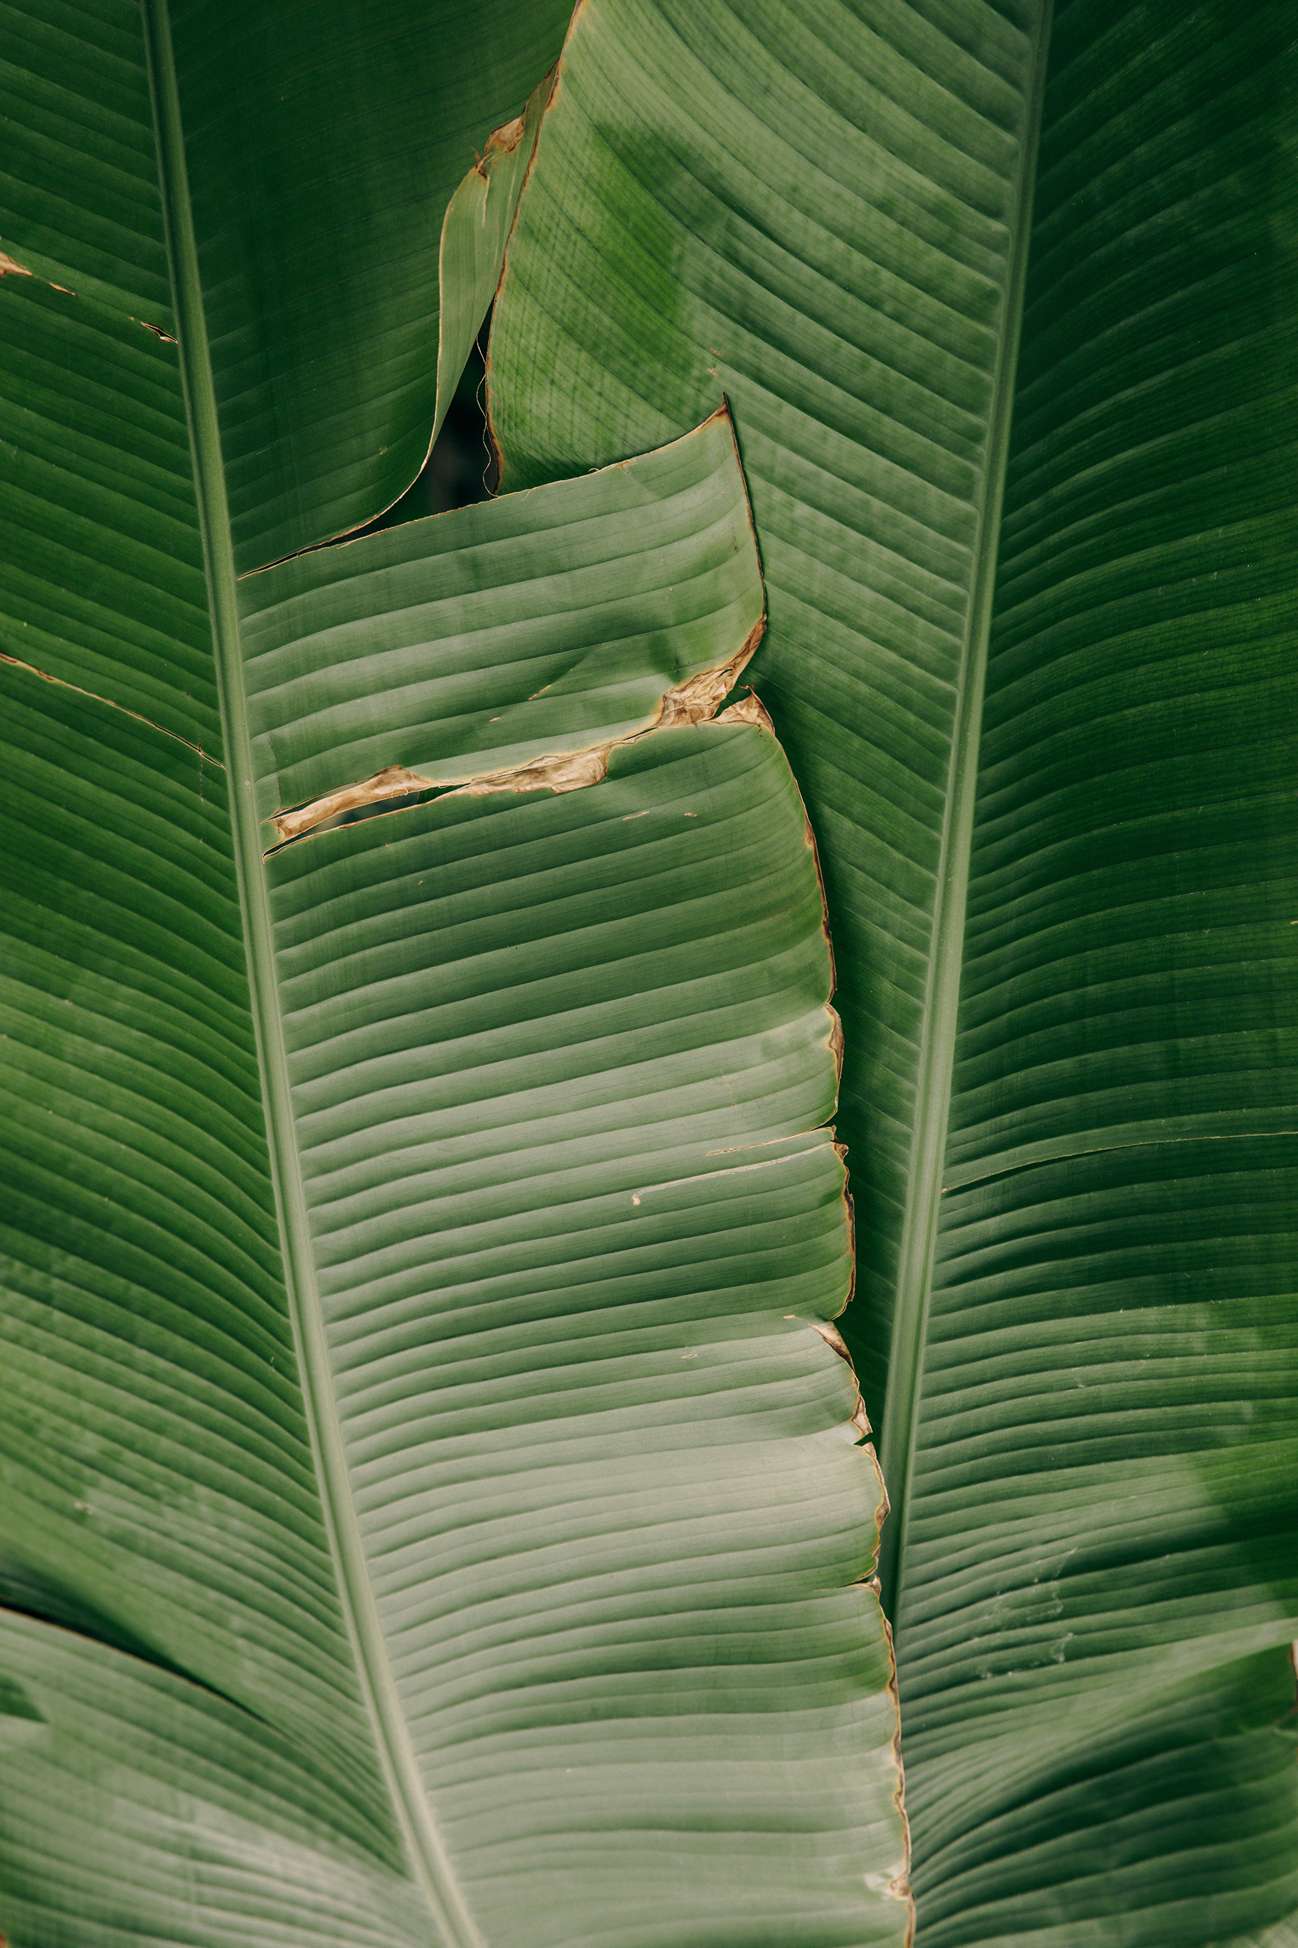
[695, 701]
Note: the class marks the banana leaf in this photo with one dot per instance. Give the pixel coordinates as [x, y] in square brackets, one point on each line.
[435, 1506]
[1002, 297]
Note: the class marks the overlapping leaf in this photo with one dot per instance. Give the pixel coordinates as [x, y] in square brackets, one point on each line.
[1004, 310]
[322, 146]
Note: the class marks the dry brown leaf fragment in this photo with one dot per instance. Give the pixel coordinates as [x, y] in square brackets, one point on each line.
[695, 701]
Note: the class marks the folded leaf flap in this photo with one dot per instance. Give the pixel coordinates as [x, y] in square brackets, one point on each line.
[537, 626]
[474, 231]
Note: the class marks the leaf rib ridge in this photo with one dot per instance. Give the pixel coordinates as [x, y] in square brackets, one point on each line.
[428, 1857]
[934, 1071]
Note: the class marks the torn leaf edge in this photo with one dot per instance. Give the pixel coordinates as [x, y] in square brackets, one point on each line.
[694, 701]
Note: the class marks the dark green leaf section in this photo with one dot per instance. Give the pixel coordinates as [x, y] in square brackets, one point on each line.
[1112, 1362]
[79, 202]
[506, 634]
[104, 586]
[159, 1489]
[324, 143]
[502, 1576]
[1063, 909]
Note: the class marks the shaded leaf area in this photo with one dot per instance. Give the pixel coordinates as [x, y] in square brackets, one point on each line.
[1199, 1773]
[160, 1489]
[460, 469]
[141, 1807]
[323, 146]
[105, 587]
[476, 227]
[1033, 657]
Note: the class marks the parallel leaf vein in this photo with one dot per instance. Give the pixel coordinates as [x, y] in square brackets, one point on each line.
[935, 1068]
[427, 1852]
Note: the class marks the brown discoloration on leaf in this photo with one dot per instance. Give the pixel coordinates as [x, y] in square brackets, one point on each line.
[563, 771]
[10, 267]
[859, 1419]
[700, 697]
[79, 689]
[694, 701]
[836, 1040]
[832, 1337]
[899, 1886]
[748, 710]
[501, 142]
[393, 781]
[506, 138]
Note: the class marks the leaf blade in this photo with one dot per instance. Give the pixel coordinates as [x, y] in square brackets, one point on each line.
[166, 1575]
[1124, 1028]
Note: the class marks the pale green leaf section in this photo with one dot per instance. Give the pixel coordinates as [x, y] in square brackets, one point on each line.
[140, 1807]
[542, 627]
[1004, 309]
[560, 1128]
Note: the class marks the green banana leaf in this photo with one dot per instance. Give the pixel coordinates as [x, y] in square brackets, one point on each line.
[434, 1509]
[1004, 305]
[322, 144]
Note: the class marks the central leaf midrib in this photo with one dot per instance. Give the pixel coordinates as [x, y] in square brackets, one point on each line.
[426, 1850]
[936, 1062]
